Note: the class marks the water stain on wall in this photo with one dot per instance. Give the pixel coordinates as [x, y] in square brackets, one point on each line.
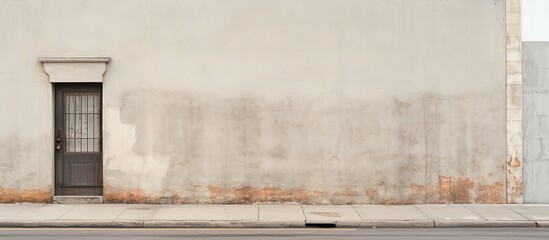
[245, 149]
[447, 190]
[24, 172]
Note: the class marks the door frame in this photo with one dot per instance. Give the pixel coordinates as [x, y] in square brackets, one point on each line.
[72, 69]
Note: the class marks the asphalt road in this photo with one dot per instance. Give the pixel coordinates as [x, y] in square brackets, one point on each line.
[309, 233]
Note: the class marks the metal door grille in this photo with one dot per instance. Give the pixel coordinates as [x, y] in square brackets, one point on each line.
[81, 113]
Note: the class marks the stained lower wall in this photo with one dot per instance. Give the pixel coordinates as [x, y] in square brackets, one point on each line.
[269, 101]
[425, 148]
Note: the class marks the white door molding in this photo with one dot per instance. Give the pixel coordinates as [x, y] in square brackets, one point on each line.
[75, 69]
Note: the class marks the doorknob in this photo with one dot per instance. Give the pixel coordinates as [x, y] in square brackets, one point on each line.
[58, 140]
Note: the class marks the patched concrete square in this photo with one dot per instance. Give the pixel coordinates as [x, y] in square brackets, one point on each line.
[390, 213]
[533, 211]
[292, 213]
[94, 212]
[444, 212]
[139, 212]
[496, 212]
[330, 214]
[43, 212]
[208, 213]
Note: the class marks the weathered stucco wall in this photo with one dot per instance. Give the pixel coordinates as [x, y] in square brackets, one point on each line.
[536, 121]
[270, 101]
[26, 126]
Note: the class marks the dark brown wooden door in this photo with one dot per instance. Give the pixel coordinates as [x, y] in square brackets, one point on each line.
[78, 146]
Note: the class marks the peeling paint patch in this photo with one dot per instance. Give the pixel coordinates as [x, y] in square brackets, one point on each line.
[10, 195]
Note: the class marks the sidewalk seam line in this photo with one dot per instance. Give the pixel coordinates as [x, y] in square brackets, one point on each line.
[465, 205]
[59, 218]
[304, 216]
[125, 207]
[258, 209]
[155, 212]
[527, 218]
[361, 219]
[425, 214]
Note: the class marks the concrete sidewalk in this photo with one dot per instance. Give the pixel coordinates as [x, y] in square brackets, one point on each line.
[267, 216]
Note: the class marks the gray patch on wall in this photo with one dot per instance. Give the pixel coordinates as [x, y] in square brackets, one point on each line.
[536, 121]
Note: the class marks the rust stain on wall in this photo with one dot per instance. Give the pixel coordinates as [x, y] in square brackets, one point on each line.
[248, 194]
[421, 194]
[348, 193]
[445, 190]
[216, 192]
[429, 193]
[517, 188]
[389, 201]
[269, 194]
[174, 198]
[10, 195]
[320, 194]
[514, 178]
[455, 190]
[371, 193]
[514, 161]
[138, 196]
[490, 193]
[348, 196]
[128, 196]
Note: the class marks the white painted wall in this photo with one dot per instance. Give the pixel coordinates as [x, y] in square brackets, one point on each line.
[535, 20]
